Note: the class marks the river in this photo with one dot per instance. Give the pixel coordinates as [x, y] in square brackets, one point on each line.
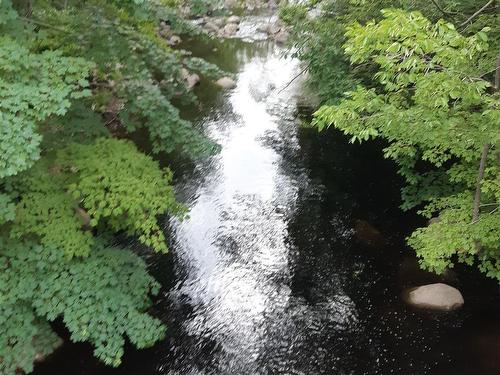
[267, 275]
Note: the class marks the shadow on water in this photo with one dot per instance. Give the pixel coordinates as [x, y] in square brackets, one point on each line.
[268, 276]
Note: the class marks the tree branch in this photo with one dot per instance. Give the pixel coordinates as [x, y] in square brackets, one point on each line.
[293, 79]
[480, 175]
[477, 13]
[484, 156]
[497, 74]
[40, 23]
[445, 12]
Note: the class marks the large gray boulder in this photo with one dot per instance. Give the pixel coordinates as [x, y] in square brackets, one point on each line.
[437, 296]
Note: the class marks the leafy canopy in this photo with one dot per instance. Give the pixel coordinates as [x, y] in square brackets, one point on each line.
[436, 112]
[33, 86]
[101, 298]
[76, 79]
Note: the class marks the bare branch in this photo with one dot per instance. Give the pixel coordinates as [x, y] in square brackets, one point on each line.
[293, 79]
[497, 74]
[445, 12]
[482, 9]
[480, 175]
[40, 23]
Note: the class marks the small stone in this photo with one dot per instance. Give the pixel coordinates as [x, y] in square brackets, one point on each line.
[211, 27]
[219, 22]
[434, 220]
[230, 29]
[230, 4]
[184, 73]
[174, 40]
[83, 216]
[282, 36]
[192, 80]
[234, 19]
[272, 28]
[437, 296]
[226, 83]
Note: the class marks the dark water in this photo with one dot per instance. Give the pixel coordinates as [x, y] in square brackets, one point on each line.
[268, 276]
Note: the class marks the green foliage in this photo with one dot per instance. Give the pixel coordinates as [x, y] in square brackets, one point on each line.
[201, 66]
[73, 75]
[317, 41]
[454, 237]
[100, 299]
[136, 68]
[430, 104]
[33, 86]
[118, 187]
[122, 187]
[201, 7]
[24, 336]
[318, 36]
[7, 209]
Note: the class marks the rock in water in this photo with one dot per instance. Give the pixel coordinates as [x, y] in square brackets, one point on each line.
[192, 80]
[174, 40]
[233, 19]
[230, 4]
[226, 83]
[219, 22]
[410, 273]
[282, 36]
[211, 27]
[368, 234]
[437, 296]
[230, 29]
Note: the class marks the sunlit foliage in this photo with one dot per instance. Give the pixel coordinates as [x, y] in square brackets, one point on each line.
[433, 105]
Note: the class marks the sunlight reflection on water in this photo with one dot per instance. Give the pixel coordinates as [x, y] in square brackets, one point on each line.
[234, 244]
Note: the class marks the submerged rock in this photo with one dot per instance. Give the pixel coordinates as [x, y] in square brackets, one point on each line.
[368, 234]
[410, 273]
[437, 296]
[226, 83]
[174, 40]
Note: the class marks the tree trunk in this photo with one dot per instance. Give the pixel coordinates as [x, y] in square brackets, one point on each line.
[484, 157]
[480, 175]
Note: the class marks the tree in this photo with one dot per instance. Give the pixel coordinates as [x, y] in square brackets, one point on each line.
[440, 118]
[319, 26]
[77, 78]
